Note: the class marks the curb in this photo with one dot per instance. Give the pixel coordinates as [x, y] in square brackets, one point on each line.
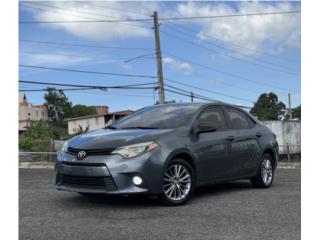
[50, 165]
[289, 165]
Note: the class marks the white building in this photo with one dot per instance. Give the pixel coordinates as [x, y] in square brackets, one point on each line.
[89, 123]
[94, 122]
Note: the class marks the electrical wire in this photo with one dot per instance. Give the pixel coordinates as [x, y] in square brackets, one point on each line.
[88, 72]
[229, 49]
[129, 86]
[164, 19]
[233, 44]
[229, 74]
[230, 56]
[83, 45]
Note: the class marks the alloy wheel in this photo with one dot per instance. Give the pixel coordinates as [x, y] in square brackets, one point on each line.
[177, 182]
[266, 171]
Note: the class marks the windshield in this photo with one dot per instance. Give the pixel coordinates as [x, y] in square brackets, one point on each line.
[161, 116]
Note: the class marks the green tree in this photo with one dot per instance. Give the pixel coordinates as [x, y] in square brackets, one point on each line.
[41, 130]
[296, 112]
[59, 106]
[37, 137]
[82, 110]
[268, 107]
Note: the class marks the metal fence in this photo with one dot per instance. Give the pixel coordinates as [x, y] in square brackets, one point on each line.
[37, 156]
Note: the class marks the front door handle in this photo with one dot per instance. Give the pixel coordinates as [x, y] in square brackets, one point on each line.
[258, 134]
[231, 138]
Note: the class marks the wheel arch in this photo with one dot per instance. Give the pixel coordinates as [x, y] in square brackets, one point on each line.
[270, 150]
[184, 154]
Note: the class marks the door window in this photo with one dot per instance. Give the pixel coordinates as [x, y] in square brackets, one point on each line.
[238, 119]
[214, 115]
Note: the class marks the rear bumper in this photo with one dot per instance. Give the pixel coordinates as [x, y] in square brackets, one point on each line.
[109, 174]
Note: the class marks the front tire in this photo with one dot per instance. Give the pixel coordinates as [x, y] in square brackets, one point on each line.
[178, 183]
[265, 174]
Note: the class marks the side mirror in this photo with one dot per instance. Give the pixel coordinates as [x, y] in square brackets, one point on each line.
[205, 126]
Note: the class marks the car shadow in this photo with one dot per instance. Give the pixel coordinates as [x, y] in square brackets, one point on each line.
[131, 201]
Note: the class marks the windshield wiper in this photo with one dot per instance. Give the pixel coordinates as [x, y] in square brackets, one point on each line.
[110, 127]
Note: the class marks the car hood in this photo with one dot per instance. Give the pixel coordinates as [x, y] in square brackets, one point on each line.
[108, 138]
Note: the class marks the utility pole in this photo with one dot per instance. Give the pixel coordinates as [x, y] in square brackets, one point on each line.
[290, 110]
[159, 60]
[192, 96]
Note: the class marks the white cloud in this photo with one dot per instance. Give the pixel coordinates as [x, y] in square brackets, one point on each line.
[272, 33]
[80, 11]
[53, 59]
[186, 68]
[255, 32]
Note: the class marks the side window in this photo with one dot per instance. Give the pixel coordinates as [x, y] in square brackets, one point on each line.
[215, 115]
[238, 119]
[252, 123]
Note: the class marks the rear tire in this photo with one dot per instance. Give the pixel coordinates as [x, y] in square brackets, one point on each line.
[178, 183]
[265, 174]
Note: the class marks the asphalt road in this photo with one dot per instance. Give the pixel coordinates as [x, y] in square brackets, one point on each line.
[229, 211]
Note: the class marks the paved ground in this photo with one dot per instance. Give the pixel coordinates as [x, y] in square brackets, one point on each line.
[230, 211]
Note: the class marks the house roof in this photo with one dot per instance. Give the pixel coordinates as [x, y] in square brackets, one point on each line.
[100, 115]
[84, 117]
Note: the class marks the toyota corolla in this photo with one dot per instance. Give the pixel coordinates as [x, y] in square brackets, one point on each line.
[169, 150]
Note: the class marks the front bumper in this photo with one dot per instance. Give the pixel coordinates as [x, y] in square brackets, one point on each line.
[111, 174]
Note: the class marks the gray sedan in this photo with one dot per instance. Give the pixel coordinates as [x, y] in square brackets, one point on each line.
[169, 150]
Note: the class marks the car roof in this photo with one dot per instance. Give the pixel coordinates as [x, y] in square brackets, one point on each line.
[197, 104]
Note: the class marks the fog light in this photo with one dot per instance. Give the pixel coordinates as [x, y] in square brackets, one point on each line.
[137, 180]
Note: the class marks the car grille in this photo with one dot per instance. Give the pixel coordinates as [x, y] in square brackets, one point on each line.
[90, 152]
[105, 183]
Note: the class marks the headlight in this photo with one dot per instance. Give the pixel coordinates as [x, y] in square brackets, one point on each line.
[64, 147]
[134, 150]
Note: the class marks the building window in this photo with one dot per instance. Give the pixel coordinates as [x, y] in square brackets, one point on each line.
[42, 114]
[37, 113]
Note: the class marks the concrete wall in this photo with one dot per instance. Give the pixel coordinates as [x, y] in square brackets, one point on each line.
[288, 132]
[94, 122]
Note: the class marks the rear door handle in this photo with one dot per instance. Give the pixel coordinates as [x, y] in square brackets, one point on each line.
[231, 138]
[258, 134]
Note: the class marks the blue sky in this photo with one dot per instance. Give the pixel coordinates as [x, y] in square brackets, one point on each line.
[244, 50]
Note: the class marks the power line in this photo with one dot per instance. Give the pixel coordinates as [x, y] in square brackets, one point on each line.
[231, 15]
[164, 19]
[83, 45]
[88, 72]
[230, 49]
[62, 89]
[231, 85]
[206, 90]
[230, 74]
[189, 94]
[230, 56]
[235, 45]
[106, 94]
[129, 86]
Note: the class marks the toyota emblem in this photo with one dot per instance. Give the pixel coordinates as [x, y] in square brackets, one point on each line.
[81, 155]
